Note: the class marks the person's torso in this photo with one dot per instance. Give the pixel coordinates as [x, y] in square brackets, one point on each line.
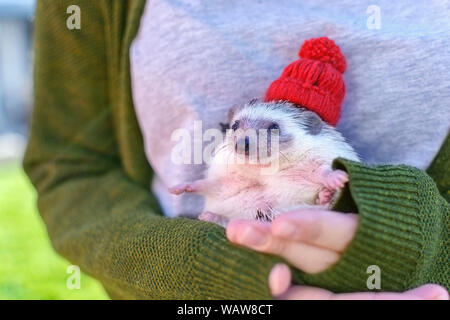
[193, 60]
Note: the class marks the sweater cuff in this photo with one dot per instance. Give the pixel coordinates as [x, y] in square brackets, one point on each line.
[217, 262]
[389, 233]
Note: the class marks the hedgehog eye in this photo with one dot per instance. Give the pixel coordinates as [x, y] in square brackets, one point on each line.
[274, 126]
[235, 125]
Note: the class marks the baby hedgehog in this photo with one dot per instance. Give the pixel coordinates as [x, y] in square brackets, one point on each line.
[303, 175]
[296, 143]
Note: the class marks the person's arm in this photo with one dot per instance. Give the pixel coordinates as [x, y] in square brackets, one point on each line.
[439, 169]
[96, 216]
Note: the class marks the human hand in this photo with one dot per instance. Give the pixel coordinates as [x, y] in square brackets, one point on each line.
[312, 241]
[281, 288]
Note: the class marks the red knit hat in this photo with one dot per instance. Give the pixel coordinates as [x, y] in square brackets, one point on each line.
[315, 80]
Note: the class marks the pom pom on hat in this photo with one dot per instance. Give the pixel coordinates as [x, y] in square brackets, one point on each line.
[314, 81]
[325, 50]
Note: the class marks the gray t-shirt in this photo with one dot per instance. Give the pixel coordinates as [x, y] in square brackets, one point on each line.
[193, 60]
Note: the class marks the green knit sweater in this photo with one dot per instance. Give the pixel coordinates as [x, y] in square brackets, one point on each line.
[85, 157]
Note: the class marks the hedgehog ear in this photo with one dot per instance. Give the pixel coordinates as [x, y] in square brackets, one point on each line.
[236, 108]
[313, 123]
[253, 101]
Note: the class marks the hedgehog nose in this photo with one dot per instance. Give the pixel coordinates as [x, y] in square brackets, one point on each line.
[243, 145]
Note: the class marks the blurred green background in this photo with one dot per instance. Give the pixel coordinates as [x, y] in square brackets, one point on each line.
[29, 267]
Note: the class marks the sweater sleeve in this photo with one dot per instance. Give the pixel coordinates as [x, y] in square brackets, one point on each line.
[403, 229]
[96, 216]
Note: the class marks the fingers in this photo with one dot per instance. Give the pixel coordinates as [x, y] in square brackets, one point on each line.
[280, 288]
[430, 292]
[305, 293]
[311, 240]
[425, 292]
[326, 229]
[257, 236]
[279, 279]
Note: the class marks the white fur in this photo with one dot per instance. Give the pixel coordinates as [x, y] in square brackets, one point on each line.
[242, 190]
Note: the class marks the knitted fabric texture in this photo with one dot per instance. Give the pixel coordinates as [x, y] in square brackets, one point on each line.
[315, 80]
[85, 157]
